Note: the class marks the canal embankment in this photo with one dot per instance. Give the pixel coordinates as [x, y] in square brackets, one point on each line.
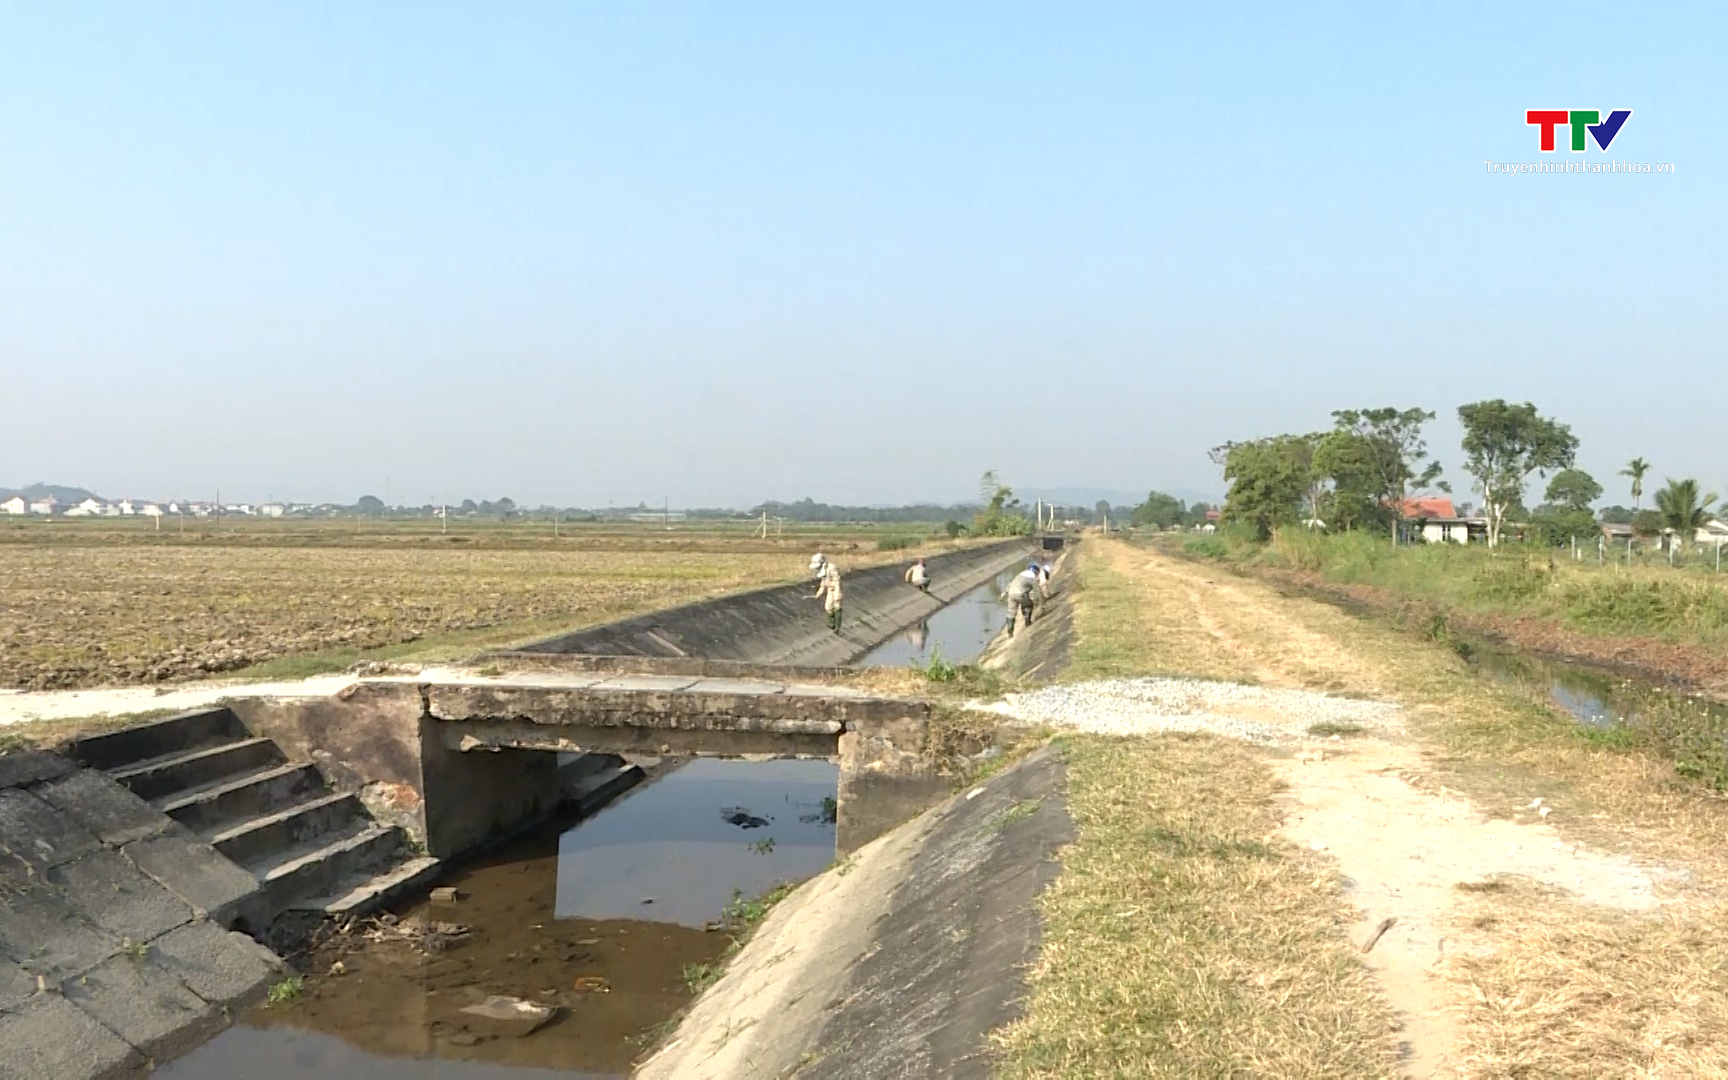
[901, 960]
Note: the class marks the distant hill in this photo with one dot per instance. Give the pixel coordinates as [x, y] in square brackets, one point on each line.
[68, 496]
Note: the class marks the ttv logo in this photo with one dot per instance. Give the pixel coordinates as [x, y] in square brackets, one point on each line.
[1580, 121]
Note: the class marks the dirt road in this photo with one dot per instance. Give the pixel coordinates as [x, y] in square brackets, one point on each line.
[1471, 904]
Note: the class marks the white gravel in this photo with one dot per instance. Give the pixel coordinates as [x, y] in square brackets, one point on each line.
[1143, 706]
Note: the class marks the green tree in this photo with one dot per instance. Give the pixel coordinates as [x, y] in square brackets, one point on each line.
[1503, 445]
[1574, 489]
[370, 505]
[1159, 510]
[1393, 455]
[1269, 479]
[1346, 484]
[1002, 514]
[1682, 509]
[1636, 468]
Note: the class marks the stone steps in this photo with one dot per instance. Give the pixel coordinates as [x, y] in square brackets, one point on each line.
[232, 799]
[309, 847]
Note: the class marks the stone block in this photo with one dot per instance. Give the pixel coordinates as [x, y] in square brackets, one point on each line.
[736, 686]
[104, 807]
[31, 767]
[224, 968]
[118, 897]
[640, 683]
[145, 1005]
[40, 931]
[195, 872]
[39, 834]
[16, 984]
[49, 1038]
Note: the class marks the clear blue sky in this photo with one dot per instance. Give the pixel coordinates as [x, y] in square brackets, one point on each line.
[599, 253]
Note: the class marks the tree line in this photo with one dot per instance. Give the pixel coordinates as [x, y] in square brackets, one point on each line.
[1362, 473]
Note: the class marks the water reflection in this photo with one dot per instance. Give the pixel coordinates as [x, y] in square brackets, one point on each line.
[681, 848]
[962, 630]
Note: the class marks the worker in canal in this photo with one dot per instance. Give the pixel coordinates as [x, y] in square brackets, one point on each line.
[827, 588]
[1022, 595]
[918, 576]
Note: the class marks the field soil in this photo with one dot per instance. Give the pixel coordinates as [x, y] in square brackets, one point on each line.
[1527, 900]
[88, 607]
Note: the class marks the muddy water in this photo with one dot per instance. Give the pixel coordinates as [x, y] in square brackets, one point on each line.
[1595, 696]
[598, 919]
[962, 630]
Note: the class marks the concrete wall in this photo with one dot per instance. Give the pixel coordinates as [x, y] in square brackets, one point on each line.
[782, 625]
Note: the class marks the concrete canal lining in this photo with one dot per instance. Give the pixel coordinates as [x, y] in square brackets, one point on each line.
[899, 963]
[783, 625]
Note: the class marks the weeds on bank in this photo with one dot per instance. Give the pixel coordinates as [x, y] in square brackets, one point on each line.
[1182, 939]
[286, 991]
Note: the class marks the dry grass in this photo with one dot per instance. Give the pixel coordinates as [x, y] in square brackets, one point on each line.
[1567, 989]
[1183, 939]
[1124, 627]
[110, 611]
[1573, 991]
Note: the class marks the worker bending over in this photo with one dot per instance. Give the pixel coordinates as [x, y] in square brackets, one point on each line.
[918, 575]
[1022, 594]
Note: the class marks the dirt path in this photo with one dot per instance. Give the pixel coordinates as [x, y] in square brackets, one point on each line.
[1414, 859]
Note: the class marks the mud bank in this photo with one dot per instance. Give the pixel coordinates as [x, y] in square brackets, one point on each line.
[901, 960]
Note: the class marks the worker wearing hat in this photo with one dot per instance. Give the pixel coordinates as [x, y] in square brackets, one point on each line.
[827, 588]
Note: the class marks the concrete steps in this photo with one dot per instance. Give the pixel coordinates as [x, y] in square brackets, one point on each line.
[310, 848]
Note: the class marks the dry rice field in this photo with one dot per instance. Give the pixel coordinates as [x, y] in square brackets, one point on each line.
[94, 612]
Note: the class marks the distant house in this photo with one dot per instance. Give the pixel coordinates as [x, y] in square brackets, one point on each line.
[14, 505]
[1436, 521]
[272, 510]
[1615, 532]
[47, 504]
[148, 509]
[88, 507]
[1713, 532]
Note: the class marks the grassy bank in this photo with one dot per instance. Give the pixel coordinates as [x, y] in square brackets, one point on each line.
[1687, 604]
[1182, 941]
[1182, 832]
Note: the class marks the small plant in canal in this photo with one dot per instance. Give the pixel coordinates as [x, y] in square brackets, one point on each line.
[762, 847]
[937, 668]
[286, 991]
[745, 912]
[699, 977]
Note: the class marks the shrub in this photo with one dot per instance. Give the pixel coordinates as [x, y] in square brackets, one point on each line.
[1206, 547]
[898, 543]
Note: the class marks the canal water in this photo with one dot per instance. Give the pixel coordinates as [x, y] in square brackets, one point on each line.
[1595, 696]
[602, 920]
[962, 630]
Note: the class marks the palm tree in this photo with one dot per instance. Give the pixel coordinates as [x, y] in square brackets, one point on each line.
[1681, 508]
[1636, 468]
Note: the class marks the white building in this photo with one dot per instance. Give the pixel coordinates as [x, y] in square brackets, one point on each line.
[1713, 532]
[272, 510]
[48, 504]
[14, 505]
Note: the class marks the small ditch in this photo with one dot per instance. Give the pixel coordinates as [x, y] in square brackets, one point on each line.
[603, 921]
[962, 630]
[1596, 696]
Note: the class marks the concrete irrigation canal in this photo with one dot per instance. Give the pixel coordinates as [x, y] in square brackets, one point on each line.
[526, 870]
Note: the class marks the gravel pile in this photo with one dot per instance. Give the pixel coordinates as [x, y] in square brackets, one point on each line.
[1142, 706]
